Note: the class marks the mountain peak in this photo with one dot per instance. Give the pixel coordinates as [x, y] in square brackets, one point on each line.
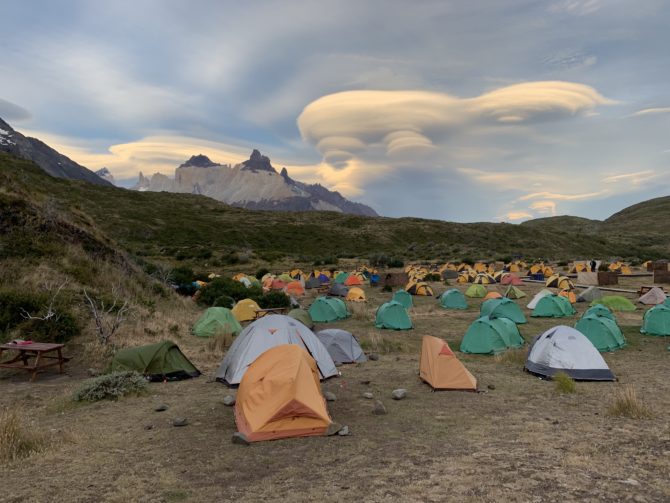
[199, 161]
[258, 162]
[105, 174]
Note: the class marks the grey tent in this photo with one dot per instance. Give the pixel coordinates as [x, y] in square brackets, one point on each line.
[342, 345]
[268, 332]
[653, 297]
[590, 294]
[338, 290]
[312, 283]
[564, 349]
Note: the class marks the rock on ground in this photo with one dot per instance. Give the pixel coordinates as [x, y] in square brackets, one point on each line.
[399, 394]
[379, 409]
[229, 400]
[329, 396]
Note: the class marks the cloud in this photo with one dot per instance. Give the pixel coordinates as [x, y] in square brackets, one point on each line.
[11, 112]
[561, 197]
[636, 178]
[575, 7]
[570, 60]
[545, 207]
[517, 216]
[651, 111]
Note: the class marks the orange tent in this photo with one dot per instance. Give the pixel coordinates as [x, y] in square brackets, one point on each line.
[295, 288]
[280, 396]
[492, 295]
[277, 284]
[569, 295]
[440, 368]
[353, 280]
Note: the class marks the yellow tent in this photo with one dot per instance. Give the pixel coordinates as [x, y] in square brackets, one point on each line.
[245, 310]
[355, 294]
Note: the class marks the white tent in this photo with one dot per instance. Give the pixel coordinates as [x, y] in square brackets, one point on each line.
[268, 332]
[542, 293]
[342, 345]
[590, 294]
[564, 349]
[653, 297]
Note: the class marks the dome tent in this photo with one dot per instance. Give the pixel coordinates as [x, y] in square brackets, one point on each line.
[356, 295]
[615, 303]
[404, 298]
[341, 345]
[590, 294]
[245, 310]
[600, 310]
[538, 296]
[564, 349]
[653, 297]
[502, 308]
[302, 316]
[491, 336]
[513, 292]
[439, 367]
[476, 291]
[553, 306]
[453, 299]
[265, 333]
[656, 321]
[328, 309]
[338, 290]
[216, 320]
[158, 362]
[603, 332]
[393, 315]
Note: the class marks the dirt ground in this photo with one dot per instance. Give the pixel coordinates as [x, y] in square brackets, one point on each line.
[520, 441]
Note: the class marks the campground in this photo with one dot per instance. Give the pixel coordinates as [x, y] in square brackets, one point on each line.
[517, 440]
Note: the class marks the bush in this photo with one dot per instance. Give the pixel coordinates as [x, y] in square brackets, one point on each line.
[182, 276]
[395, 263]
[563, 383]
[261, 272]
[110, 387]
[224, 301]
[433, 277]
[274, 299]
[227, 287]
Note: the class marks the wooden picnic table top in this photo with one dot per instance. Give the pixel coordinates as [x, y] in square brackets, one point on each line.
[33, 346]
[36, 351]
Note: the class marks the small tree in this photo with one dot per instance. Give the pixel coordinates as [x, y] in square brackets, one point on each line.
[107, 318]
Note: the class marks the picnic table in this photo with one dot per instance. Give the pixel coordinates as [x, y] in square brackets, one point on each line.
[273, 310]
[37, 350]
[645, 288]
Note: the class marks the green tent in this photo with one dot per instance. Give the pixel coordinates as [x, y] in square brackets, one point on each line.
[342, 277]
[476, 291]
[453, 299]
[502, 308]
[553, 306]
[656, 321]
[161, 361]
[393, 315]
[513, 292]
[327, 309]
[600, 310]
[615, 303]
[302, 316]
[491, 336]
[603, 332]
[216, 320]
[404, 298]
[286, 278]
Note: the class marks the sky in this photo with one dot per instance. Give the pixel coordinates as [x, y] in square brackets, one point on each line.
[500, 110]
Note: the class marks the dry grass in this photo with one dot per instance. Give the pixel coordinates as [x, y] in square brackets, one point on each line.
[627, 404]
[563, 383]
[515, 357]
[16, 440]
[361, 311]
[219, 343]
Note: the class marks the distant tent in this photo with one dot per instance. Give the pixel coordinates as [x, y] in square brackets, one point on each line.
[510, 279]
[313, 283]
[265, 333]
[295, 289]
[502, 308]
[216, 320]
[564, 349]
[245, 310]
[355, 295]
[600, 310]
[280, 396]
[453, 299]
[374, 279]
[403, 298]
[393, 315]
[341, 345]
[553, 306]
[158, 362]
[341, 277]
[353, 280]
[538, 296]
[513, 292]
[492, 295]
[568, 294]
[439, 367]
[285, 277]
[558, 281]
[476, 291]
[338, 290]
[484, 278]
[615, 303]
[603, 332]
[323, 278]
[278, 284]
[328, 309]
[302, 316]
[419, 288]
[491, 336]
[653, 297]
[590, 294]
[656, 321]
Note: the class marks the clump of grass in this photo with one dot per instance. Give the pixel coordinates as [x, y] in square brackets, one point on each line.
[512, 357]
[360, 311]
[627, 404]
[110, 387]
[17, 441]
[220, 342]
[563, 383]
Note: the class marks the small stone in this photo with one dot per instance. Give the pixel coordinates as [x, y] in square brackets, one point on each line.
[93, 372]
[180, 421]
[379, 409]
[344, 431]
[333, 429]
[491, 386]
[329, 396]
[368, 395]
[239, 439]
[630, 482]
[229, 400]
[338, 364]
[373, 356]
[555, 421]
[149, 427]
[399, 394]
[365, 382]
[162, 407]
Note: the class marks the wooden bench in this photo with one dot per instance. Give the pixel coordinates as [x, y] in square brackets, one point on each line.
[273, 310]
[645, 288]
[37, 350]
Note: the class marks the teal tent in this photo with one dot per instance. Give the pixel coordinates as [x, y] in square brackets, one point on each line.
[553, 306]
[216, 320]
[393, 315]
[603, 332]
[342, 277]
[656, 321]
[502, 308]
[327, 309]
[600, 310]
[615, 303]
[491, 336]
[158, 362]
[453, 299]
[404, 298]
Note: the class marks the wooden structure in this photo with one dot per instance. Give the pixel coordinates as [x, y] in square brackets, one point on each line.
[273, 310]
[40, 351]
[395, 279]
[661, 276]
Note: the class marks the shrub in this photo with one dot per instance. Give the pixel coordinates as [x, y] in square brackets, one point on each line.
[17, 440]
[274, 299]
[603, 267]
[387, 288]
[394, 263]
[468, 260]
[110, 387]
[563, 383]
[226, 287]
[627, 404]
[182, 275]
[224, 301]
[433, 277]
[261, 272]
[513, 356]
[563, 263]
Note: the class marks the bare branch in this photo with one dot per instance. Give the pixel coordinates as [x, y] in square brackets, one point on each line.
[107, 321]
